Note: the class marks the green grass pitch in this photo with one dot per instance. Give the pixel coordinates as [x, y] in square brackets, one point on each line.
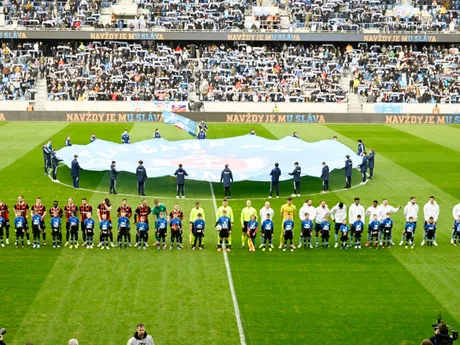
[370, 296]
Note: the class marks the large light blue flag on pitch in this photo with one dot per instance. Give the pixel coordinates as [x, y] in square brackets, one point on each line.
[180, 122]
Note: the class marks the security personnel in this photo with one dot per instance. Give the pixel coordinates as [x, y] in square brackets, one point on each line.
[141, 175]
[113, 178]
[68, 142]
[46, 158]
[370, 163]
[275, 182]
[363, 167]
[296, 173]
[75, 172]
[180, 181]
[348, 170]
[227, 178]
[325, 178]
[55, 162]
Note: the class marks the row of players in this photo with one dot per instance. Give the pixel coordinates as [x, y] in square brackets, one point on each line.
[379, 230]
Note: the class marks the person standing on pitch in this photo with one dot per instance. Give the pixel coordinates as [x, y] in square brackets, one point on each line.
[325, 178]
[227, 178]
[203, 125]
[201, 134]
[68, 142]
[355, 210]
[430, 210]
[54, 163]
[125, 139]
[411, 211]
[246, 214]
[193, 217]
[93, 138]
[338, 214]
[296, 173]
[372, 211]
[455, 214]
[371, 163]
[322, 213]
[311, 210]
[348, 170]
[363, 168]
[75, 172]
[287, 209]
[156, 134]
[113, 178]
[263, 214]
[275, 182]
[220, 213]
[141, 175]
[46, 157]
[361, 148]
[384, 209]
[180, 181]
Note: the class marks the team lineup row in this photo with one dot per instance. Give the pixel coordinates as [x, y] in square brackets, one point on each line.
[349, 224]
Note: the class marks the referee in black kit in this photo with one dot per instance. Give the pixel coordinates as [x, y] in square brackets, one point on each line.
[141, 175]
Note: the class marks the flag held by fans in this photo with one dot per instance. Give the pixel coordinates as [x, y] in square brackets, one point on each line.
[180, 122]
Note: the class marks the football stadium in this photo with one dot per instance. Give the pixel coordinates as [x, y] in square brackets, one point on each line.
[232, 172]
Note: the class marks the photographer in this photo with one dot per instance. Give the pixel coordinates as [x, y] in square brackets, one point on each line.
[441, 336]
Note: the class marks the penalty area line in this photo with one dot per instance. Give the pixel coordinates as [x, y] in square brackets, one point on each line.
[230, 281]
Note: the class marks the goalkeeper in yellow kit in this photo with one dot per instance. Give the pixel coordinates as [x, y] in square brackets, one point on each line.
[287, 209]
[246, 214]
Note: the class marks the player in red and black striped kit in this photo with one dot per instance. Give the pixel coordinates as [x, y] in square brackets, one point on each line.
[85, 208]
[41, 210]
[55, 209]
[22, 207]
[69, 210]
[143, 210]
[124, 207]
[104, 208]
[5, 214]
[177, 212]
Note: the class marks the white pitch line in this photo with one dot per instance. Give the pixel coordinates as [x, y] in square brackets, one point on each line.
[202, 199]
[230, 281]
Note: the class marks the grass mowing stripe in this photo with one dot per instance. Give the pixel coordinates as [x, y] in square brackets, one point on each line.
[445, 135]
[230, 281]
[30, 137]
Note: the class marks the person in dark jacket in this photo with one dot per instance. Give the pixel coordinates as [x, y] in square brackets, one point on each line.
[363, 168]
[275, 181]
[113, 178]
[348, 171]
[68, 142]
[75, 172]
[370, 163]
[325, 178]
[141, 175]
[227, 178]
[54, 163]
[296, 173]
[180, 181]
[46, 157]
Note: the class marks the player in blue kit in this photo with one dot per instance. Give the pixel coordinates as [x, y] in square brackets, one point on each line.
[267, 229]
[307, 227]
[373, 231]
[456, 232]
[161, 230]
[409, 232]
[36, 229]
[176, 230]
[358, 227]
[344, 230]
[89, 230]
[430, 230]
[73, 228]
[198, 232]
[56, 234]
[386, 228]
[288, 233]
[123, 230]
[253, 227]
[142, 229]
[105, 227]
[20, 228]
[224, 226]
[325, 232]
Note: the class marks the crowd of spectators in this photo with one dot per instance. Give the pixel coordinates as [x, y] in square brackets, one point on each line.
[20, 66]
[407, 74]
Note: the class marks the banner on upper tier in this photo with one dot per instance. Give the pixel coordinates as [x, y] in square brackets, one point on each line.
[249, 157]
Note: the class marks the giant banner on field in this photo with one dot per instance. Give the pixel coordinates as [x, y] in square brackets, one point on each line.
[249, 157]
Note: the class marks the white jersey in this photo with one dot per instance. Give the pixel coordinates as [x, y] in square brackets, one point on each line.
[411, 210]
[147, 341]
[339, 214]
[321, 212]
[387, 209]
[431, 210]
[371, 211]
[263, 213]
[456, 211]
[353, 213]
[311, 210]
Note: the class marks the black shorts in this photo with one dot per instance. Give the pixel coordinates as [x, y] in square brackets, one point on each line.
[430, 234]
[317, 228]
[198, 234]
[105, 234]
[67, 226]
[175, 234]
[162, 232]
[123, 231]
[268, 234]
[55, 230]
[142, 234]
[288, 235]
[36, 228]
[26, 225]
[306, 232]
[252, 234]
[352, 229]
[83, 226]
[89, 231]
[358, 234]
[20, 232]
[74, 229]
[42, 225]
[344, 237]
[223, 233]
[456, 234]
[325, 234]
[245, 227]
[386, 233]
[374, 233]
[409, 235]
[337, 227]
[7, 224]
